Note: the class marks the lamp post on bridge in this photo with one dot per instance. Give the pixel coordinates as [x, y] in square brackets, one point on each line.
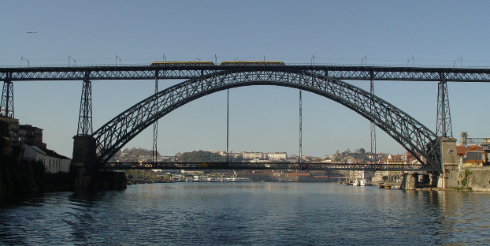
[75, 61]
[21, 59]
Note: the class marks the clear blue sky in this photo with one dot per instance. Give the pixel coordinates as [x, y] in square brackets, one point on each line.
[262, 118]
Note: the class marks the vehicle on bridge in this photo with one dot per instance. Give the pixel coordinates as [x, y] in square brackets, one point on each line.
[210, 63]
[252, 63]
[181, 63]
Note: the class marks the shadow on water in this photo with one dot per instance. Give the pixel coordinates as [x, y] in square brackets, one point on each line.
[37, 199]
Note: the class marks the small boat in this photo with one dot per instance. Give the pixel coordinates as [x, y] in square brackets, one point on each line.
[387, 187]
[236, 180]
[356, 183]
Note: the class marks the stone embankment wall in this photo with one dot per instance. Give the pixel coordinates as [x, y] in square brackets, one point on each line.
[475, 178]
[478, 178]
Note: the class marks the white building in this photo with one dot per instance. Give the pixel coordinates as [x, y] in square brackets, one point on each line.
[52, 161]
[252, 155]
[277, 155]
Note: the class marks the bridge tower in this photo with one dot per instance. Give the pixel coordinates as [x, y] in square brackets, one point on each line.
[7, 104]
[85, 113]
[443, 125]
[444, 131]
[84, 150]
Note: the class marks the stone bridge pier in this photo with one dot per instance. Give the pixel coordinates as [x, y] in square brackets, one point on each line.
[83, 151]
[87, 178]
[450, 164]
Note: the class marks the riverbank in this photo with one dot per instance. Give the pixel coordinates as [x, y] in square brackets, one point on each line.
[27, 177]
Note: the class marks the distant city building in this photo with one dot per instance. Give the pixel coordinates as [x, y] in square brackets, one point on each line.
[277, 155]
[252, 155]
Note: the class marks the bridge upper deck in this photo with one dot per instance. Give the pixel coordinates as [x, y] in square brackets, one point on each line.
[179, 71]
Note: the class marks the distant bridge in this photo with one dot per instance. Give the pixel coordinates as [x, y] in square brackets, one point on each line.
[313, 166]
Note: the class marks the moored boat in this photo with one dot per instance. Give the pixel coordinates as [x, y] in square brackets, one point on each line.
[236, 180]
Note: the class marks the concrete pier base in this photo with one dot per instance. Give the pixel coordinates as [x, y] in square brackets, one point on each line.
[450, 164]
[409, 181]
[434, 179]
[83, 154]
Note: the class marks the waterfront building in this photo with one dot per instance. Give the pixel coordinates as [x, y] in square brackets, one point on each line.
[394, 176]
[471, 156]
[52, 161]
[31, 135]
[10, 129]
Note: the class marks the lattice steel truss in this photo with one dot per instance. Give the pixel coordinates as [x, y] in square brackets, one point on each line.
[412, 135]
[189, 72]
[7, 104]
[85, 114]
[443, 124]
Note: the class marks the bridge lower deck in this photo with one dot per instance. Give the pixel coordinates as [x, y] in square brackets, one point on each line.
[266, 165]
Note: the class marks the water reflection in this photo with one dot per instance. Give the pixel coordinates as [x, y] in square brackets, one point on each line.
[248, 213]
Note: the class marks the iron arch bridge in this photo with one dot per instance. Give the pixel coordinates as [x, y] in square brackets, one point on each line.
[417, 139]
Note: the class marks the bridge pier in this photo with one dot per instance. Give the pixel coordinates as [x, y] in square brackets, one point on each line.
[434, 179]
[410, 181]
[450, 164]
[83, 153]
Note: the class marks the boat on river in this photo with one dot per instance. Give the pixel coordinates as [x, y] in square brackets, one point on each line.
[236, 180]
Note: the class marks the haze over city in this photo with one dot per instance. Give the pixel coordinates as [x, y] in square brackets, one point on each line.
[262, 118]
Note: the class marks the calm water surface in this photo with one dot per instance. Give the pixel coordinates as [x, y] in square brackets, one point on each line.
[248, 214]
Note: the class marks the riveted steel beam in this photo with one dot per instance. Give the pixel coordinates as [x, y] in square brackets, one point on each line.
[412, 135]
[189, 72]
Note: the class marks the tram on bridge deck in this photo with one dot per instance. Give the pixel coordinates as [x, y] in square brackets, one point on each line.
[210, 63]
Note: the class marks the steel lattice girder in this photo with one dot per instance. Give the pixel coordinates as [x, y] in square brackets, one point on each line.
[412, 135]
[7, 101]
[188, 72]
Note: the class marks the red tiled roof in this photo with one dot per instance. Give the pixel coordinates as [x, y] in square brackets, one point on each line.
[461, 150]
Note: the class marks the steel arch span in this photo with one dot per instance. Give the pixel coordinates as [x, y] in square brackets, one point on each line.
[412, 135]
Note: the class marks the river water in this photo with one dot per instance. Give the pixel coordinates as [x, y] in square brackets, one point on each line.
[247, 214]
